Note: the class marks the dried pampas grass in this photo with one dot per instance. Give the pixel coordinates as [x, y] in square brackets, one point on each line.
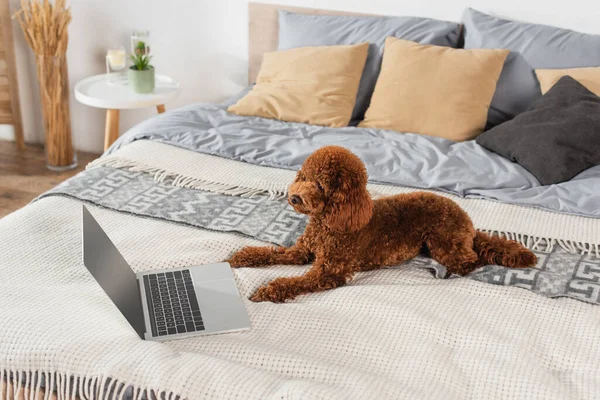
[45, 26]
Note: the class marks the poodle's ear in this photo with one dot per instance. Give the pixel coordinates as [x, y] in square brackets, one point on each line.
[350, 208]
[299, 176]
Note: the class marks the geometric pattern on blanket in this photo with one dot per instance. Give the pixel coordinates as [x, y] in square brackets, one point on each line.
[138, 193]
[557, 274]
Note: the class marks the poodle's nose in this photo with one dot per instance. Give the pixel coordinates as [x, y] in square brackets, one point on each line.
[295, 199]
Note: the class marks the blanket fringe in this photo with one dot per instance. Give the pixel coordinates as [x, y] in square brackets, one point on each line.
[15, 384]
[547, 245]
[535, 243]
[164, 176]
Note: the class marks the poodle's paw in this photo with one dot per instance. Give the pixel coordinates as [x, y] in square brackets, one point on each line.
[271, 293]
[523, 258]
[460, 271]
[250, 257]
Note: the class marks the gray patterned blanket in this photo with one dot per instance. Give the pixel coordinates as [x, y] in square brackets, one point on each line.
[558, 273]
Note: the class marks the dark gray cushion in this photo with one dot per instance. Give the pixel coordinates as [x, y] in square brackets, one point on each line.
[556, 138]
[299, 30]
[532, 47]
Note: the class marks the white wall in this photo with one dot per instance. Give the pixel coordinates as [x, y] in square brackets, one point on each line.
[203, 44]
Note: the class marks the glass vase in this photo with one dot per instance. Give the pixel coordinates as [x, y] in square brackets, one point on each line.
[140, 42]
[54, 90]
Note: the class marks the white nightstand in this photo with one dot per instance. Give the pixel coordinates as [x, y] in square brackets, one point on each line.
[96, 91]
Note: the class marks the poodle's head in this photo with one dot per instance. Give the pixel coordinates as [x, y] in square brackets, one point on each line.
[332, 186]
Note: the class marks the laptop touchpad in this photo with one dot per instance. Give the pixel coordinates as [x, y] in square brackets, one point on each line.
[210, 272]
[221, 306]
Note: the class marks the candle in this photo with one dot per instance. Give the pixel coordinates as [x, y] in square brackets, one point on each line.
[116, 58]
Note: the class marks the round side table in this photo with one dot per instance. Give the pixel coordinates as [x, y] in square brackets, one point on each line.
[97, 91]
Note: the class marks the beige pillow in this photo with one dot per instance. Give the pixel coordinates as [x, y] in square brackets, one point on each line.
[434, 90]
[588, 77]
[315, 85]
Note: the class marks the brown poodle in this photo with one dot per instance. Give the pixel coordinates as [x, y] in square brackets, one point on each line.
[350, 232]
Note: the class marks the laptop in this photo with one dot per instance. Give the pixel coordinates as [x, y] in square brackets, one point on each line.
[167, 304]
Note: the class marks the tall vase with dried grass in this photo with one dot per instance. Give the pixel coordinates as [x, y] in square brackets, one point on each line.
[44, 25]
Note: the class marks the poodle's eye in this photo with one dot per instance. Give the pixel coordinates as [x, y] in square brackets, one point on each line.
[319, 186]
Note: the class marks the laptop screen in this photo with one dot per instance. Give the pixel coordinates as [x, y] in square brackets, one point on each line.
[112, 272]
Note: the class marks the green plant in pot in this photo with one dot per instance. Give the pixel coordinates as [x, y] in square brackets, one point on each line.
[141, 73]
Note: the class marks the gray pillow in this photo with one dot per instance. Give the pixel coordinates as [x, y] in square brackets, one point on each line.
[557, 138]
[532, 47]
[299, 30]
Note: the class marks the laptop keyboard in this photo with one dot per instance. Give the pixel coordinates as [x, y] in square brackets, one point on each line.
[172, 303]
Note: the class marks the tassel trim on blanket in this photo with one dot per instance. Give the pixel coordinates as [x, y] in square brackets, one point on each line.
[535, 243]
[28, 385]
[164, 176]
[547, 245]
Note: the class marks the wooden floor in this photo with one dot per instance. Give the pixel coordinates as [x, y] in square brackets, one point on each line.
[23, 175]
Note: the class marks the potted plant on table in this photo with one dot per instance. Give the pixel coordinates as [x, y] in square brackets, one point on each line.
[141, 73]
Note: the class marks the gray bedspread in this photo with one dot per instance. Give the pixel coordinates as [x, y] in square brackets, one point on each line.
[405, 159]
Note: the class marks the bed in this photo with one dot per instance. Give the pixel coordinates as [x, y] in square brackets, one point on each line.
[195, 184]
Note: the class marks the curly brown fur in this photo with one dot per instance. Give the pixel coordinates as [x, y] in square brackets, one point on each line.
[349, 232]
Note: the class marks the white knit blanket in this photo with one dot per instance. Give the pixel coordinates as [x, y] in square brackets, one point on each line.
[392, 333]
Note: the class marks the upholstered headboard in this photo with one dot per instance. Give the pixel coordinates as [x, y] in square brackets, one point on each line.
[10, 112]
[264, 30]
